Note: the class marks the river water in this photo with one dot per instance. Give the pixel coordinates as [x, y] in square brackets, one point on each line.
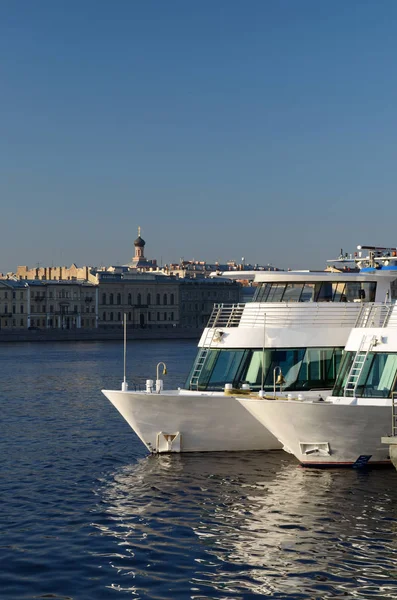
[86, 514]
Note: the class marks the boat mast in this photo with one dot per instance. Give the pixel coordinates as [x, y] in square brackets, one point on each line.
[124, 385]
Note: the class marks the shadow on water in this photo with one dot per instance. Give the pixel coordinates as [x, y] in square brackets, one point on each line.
[235, 526]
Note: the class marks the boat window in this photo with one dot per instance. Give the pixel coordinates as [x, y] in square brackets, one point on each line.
[293, 292]
[276, 292]
[262, 292]
[302, 368]
[318, 368]
[333, 367]
[323, 292]
[289, 361]
[378, 376]
[307, 292]
[345, 366]
[353, 291]
[338, 290]
[369, 287]
[220, 368]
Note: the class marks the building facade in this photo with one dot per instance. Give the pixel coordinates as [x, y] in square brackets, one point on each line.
[48, 305]
[198, 296]
[148, 300]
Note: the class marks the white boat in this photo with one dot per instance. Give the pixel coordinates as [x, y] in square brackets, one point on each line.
[346, 428]
[292, 334]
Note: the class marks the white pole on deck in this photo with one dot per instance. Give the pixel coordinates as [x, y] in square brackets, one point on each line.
[124, 385]
[262, 391]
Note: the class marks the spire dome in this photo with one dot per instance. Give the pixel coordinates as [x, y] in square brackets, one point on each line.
[139, 241]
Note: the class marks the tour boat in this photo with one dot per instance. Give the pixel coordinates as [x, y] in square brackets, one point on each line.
[289, 339]
[345, 428]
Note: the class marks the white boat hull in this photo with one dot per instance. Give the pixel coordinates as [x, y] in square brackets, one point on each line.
[200, 422]
[327, 434]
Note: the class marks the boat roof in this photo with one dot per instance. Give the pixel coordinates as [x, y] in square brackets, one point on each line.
[309, 276]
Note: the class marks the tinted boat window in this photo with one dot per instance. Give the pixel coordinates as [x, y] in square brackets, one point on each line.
[346, 363]
[308, 292]
[378, 376]
[353, 291]
[276, 293]
[369, 287]
[293, 292]
[323, 292]
[339, 292]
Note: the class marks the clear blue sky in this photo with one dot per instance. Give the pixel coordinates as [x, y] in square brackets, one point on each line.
[259, 128]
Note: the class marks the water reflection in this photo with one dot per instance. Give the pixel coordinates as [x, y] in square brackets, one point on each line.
[227, 526]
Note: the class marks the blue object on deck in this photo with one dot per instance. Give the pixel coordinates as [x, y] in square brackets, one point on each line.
[362, 461]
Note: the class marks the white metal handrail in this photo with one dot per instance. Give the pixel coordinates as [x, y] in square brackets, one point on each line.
[307, 314]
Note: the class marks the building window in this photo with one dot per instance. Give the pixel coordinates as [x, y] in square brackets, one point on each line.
[139, 300]
[21, 308]
[119, 316]
[129, 299]
[13, 309]
[111, 298]
[21, 296]
[111, 316]
[21, 322]
[51, 308]
[157, 298]
[165, 316]
[148, 299]
[172, 299]
[158, 316]
[118, 298]
[165, 299]
[43, 308]
[74, 308]
[103, 298]
[172, 316]
[104, 316]
[129, 316]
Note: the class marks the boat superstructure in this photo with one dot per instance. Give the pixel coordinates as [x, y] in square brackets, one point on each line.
[344, 429]
[290, 339]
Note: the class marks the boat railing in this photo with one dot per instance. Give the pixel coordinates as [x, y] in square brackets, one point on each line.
[376, 315]
[303, 314]
[226, 315]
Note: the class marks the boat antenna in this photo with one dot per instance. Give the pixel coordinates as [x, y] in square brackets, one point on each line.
[124, 385]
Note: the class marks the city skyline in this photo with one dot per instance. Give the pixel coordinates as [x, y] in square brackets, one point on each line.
[263, 130]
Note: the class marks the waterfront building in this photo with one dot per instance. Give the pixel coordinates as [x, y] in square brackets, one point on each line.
[72, 273]
[35, 304]
[14, 300]
[97, 298]
[148, 300]
[198, 296]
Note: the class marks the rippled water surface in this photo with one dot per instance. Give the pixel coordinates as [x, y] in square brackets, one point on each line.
[86, 514]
